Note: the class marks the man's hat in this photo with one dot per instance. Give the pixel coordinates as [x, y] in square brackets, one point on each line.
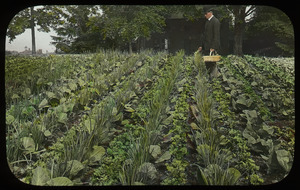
[207, 9]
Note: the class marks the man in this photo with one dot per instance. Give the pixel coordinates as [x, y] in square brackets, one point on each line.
[210, 40]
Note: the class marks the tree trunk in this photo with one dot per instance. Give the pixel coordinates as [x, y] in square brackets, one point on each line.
[238, 40]
[32, 31]
[130, 48]
[239, 27]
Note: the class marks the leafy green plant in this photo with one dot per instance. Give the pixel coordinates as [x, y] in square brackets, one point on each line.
[204, 103]
[245, 164]
[213, 174]
[111, 164]
[111, 118]
[137, 155]
[177, 173]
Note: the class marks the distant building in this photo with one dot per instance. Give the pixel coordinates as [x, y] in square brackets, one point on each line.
[11, 52]
[27, 51]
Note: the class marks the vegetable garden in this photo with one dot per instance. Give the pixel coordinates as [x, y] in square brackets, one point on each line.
[152, 118]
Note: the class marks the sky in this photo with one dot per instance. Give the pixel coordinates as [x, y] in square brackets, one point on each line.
[42, 41]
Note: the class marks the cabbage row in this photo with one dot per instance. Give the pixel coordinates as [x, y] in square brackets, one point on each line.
[151, 118]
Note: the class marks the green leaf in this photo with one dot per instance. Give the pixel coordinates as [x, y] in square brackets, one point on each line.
[202, 178]
[243, 100]
[9, 119]
[234, 175]
[114, 111]
[97, 153]
[89, 124]
[284, 159]
[28, 110]
[254, 83]
[44, 103]
[165, 156]
[74, 166]
[40, 176]
[168, 120]
[50, 94]
[148, 169]
[28, 144]
[284, 113]
[249, 134]
[132, 94]
[194, 126]
[47, 133]
[138, 183]
[65, 89]
[72, 85]
[15, 96]
[124, 122]
[81, 82]
[155, 151]
[49, 83]
[128, 108]
[250, 114]
[26, 92]
[62, 117]
[40, 81]
[60, 181]
[268, 129]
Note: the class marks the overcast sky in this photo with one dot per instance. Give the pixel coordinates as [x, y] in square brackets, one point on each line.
[42, 41]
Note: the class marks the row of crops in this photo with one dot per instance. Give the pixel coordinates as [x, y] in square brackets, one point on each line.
[113, 118]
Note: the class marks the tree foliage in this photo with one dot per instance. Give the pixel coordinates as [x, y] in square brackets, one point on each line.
[277, 25]
[45, 17]
[18, 24]
[82, 28]
[239, 14]
[128, 23]
[74, 34]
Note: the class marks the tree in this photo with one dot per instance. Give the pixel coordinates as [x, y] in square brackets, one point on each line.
[239, 14]
[275, 24]
[23, 20]
[43, 16]
[32, 30]
[129, 23]
[76, 33]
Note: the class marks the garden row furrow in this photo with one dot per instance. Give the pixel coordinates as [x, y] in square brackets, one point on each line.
[83, 140]
[244, 97]
[29, 139]
[256, 138]
[177, 136]
[277, 95]
[214, 165]
[137, 168]
[283, 73]
[138, 130]
[43, 124]
[227, 121]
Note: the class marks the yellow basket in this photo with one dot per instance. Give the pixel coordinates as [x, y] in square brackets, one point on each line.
[211, 58]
